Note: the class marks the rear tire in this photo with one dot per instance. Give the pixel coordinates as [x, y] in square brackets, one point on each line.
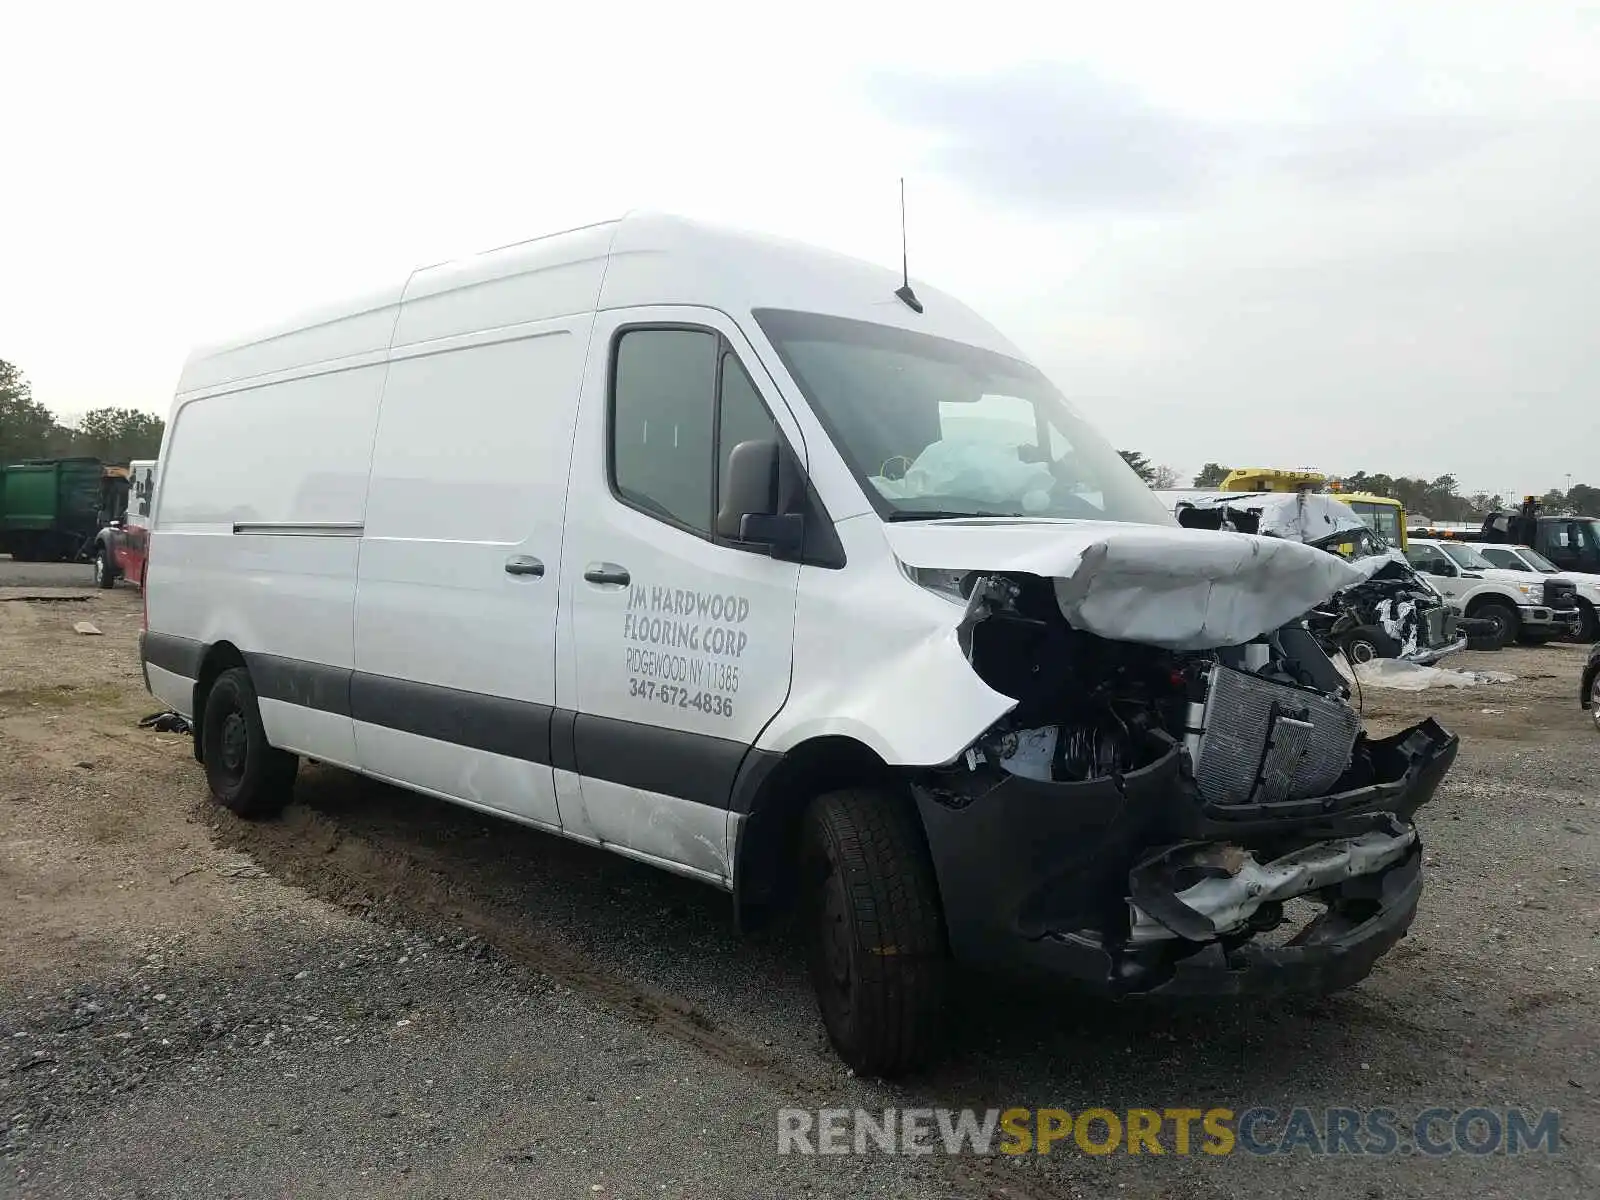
[247, 775]
[1507, 625]
[876, 935]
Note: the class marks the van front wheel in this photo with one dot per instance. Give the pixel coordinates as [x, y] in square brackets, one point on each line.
[246, 774]
[875, 934]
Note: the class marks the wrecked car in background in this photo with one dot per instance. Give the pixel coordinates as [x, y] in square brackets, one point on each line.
[1391, 612]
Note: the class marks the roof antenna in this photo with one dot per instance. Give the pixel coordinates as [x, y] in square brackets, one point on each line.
[904, 290]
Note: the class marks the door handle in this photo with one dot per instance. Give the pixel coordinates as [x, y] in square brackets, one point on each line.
[524, 564]
[606, 573]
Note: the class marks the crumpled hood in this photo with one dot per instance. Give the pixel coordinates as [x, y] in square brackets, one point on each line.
[1181, 589]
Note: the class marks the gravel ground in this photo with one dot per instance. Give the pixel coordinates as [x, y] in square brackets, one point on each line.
[383, 995]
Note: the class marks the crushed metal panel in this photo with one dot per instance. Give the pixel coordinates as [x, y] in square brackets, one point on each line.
[1239, 886]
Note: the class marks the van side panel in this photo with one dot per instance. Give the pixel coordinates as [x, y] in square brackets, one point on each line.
[330, 333]
[258, 522]
[469, 478]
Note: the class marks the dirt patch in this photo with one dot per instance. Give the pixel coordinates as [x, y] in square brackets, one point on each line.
[122, 883]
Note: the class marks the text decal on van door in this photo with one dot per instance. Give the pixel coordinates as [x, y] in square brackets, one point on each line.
[684, 647]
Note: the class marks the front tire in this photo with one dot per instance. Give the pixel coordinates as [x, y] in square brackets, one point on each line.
[247, 775]
[1507, 625]
[1589, 626]
[875, 931]
[105, 572]
[1365, 643]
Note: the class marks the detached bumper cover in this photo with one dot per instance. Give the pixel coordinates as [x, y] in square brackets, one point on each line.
[1427, 656]
[1086, 881]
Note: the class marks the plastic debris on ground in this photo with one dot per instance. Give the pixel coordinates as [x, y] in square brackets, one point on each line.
[1404, 676]
[88, 627]
[166, 722]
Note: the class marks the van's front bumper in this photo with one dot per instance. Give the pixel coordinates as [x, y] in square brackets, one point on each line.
[1086, 881]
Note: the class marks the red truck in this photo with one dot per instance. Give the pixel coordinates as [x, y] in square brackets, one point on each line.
[121, 545]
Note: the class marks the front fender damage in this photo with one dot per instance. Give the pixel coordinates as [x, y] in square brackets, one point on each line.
[1161, 816]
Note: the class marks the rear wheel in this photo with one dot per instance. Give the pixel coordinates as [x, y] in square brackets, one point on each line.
[876, 937]
[1506, 624]
[246, 774]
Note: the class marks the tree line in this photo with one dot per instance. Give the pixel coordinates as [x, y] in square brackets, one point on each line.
[30, 430]
[1441, 498]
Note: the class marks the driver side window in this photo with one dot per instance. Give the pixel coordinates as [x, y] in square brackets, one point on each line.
[680, 401]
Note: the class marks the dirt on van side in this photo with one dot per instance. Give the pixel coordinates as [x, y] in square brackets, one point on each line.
[382, 995]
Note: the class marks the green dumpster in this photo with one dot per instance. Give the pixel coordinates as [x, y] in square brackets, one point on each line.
[50, 509]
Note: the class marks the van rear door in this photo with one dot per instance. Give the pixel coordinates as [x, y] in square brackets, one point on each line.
[681, 641]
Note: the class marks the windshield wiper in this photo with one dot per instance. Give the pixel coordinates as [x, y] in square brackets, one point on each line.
[940, 514]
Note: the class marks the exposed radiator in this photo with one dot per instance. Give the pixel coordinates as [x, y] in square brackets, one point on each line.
[1263, 741]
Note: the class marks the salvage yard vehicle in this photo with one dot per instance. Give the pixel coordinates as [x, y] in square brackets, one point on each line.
[1521, 610]
[50, 509]
[1589, 687]
[1572, 543]
[761, 565]
[1525, 560]
[1392, 612]
[1384, 515]
[120, 547]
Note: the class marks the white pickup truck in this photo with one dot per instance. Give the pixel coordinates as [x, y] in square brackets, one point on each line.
[1525, 560]
[1523, 609]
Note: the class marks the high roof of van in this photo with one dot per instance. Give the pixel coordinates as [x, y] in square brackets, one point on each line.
[641, 259]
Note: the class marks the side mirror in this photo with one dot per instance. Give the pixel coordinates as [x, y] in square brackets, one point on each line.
[756, 493]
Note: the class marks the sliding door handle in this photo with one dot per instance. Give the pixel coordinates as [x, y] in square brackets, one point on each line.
[606, 573]
[524, 564]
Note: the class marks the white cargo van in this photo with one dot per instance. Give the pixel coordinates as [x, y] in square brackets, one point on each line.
[749, 561]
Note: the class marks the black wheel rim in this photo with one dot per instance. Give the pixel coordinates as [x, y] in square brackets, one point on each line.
[235, 746]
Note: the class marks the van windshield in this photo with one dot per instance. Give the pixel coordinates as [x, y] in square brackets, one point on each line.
[936, 428]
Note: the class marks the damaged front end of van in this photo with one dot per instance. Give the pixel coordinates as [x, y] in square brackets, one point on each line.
[1183, 799]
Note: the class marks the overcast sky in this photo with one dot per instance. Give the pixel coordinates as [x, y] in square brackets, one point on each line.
[1351, 236]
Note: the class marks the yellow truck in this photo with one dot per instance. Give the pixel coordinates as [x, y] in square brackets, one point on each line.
[1384, 515]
